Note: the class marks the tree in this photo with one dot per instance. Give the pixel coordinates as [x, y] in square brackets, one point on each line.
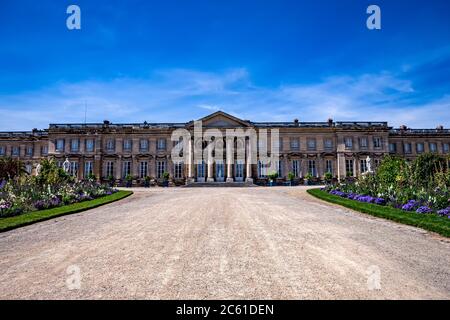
[11, 168]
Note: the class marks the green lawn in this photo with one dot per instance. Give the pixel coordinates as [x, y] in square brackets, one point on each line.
[429, 222]
[41, 215]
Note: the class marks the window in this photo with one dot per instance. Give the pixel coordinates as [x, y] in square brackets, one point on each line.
[363, 165]
[392, 147]
[127, 144]
[419, 147]
[74, 145]
[262, 145]
[29, 151]
[201, 170]
[296, 168]
[377, 142]
[90, 145]
[15, 151]
[179, 170]
[363, 143]
[126, 168]
[110, 145]
[262, 169]
[143, 169]
[143, 145]
[311, 144]
[348, 143]
[312, 167]
[44, 150]
[349, 167]
[88, 169]
[161, 168]
[329, 166]
[73, 169]
[2, 151]
[161, 144]
[377, 163]
[60, 145]
[446, 148]
[433, 147]
[295, 144]
[279, 168]
[239, 170]
[110, 169]
[328, 144]
[407, 147]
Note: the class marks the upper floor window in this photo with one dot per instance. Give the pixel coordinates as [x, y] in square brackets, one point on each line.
[392, 147]
[127, 144]
[363, 142]
[15, 151]
[311, 144]
[377, 142]
[143, 145]
[446, 147]
[74, 145]
[110, 145]
[328, 143]
[89, 145]
[348, 143]
[2, 151]
[420, 147]
[433, 147]
[407, 147]
[295, 144]
[44, 149]
[161, 145]
[59, 144]
[29, 151]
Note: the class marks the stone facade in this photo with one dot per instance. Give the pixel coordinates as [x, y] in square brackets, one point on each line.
[144, 149]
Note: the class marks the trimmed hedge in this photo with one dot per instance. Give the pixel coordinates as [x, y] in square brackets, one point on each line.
[431, 222]
[25, 219]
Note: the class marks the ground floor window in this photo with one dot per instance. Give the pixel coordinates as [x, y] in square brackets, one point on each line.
[110, 169]
[143, 169]
[296, 168]
[88, 169]
[312, 167]
[201, 169]
[126, 169]
[178, 170]
[219, 170]
[363, 165]
[329, 166]
[279, 169]
[73, 169]
[239, 169]
[349, 167]
[262, 169]
[160, 169]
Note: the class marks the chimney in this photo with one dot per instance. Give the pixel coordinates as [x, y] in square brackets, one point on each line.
[440, 127]
[296, 122]
[403, 127]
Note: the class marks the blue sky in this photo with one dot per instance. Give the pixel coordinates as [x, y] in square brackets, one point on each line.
[263, 60]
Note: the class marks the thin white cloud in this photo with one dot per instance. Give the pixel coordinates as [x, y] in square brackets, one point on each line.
[183, 95]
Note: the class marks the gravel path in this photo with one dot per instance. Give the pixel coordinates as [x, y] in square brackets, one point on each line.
[223, 243]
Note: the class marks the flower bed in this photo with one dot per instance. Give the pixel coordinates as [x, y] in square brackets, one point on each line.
[26, 195]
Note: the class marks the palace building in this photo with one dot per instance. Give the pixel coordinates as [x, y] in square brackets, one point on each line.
[144, 149]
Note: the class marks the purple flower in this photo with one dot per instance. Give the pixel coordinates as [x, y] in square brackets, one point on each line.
[2, 184]
[444, 212]
[424, 209]
[411, 205]
[380, 201]
[5, 205]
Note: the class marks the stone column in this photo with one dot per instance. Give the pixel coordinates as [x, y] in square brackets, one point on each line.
[190, 163]
[210, 164]
[248, 171]
[229, 159]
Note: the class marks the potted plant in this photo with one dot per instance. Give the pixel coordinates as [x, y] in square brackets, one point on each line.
[147, 182]
[308, 179]
[291, 178]
[328, 177]
[272, 177]
[166, 177]
[129, 180]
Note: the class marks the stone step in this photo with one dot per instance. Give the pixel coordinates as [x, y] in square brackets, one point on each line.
[219, 184]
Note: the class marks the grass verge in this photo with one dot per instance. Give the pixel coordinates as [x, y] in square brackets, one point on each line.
[25, 219]
[429, 222]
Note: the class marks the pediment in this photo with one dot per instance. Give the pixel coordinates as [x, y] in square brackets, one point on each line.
[221, 119]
